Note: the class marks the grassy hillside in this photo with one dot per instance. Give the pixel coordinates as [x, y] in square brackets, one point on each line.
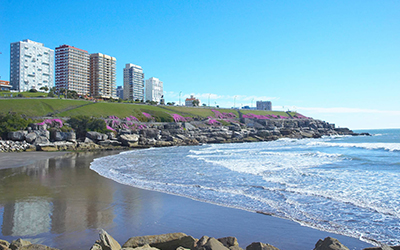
[24, 94]
[68, 108]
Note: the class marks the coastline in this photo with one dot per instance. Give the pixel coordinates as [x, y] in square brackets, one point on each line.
[142, 212]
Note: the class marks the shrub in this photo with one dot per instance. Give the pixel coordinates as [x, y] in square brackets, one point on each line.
[33, 90]
[12, 122]
[82, 123]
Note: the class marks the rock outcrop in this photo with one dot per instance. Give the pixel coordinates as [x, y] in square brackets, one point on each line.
[329, 244]
[37, 137]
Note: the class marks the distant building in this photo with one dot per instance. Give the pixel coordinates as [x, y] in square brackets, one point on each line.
[154, 89]
[120, 92]
[264, 105]
[31, 66]
[4, 85]
[102, 76]
[192, 101]
[133, 82]
[72, 69]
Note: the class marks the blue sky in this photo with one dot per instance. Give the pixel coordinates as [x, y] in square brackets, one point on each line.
[337, 61]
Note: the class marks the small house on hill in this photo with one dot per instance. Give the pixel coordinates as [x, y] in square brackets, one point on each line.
[192, 101]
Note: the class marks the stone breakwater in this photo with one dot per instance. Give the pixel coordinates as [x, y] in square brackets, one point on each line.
[41, 137]
[177, 241]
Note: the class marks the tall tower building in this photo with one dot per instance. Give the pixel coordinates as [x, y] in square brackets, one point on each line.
[102, 76]
[133, 82]
[154, 89]
[72, 69]
[31, 66]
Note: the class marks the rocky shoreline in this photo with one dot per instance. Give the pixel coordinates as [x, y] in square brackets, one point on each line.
[177, 241]
[42, 137]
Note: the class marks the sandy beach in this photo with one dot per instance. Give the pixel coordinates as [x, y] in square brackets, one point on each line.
[56, 200]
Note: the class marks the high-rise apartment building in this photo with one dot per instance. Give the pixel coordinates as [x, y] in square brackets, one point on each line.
[31, 66]
[72, 69]
[102, 76]
[133, 82]
[120, 92]
[154, 89]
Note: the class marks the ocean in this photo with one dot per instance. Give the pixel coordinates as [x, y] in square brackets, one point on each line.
[341, 184]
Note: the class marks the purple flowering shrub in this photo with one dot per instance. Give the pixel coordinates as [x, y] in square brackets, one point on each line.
[300, 116]
[213, 122]
[148, 116]
[113, 123]
[220, 115]
[52, 122]
[132, 118]
[259, 117]
[179, 118]
[110, 128]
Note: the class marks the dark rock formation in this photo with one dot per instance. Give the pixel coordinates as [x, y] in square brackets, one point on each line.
[260, 246]
[329, 244]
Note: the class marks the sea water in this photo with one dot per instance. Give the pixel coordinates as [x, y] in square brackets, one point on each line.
[342, 184]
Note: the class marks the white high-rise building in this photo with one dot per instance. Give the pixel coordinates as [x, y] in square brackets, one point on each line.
[72, 69]
[31, 66]
[133, 82]
[102, 76]
[154, 89]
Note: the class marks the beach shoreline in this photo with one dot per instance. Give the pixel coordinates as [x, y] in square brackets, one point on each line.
[146, 212]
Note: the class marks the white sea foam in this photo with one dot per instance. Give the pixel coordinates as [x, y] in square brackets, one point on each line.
[309, 181]
[386, 146]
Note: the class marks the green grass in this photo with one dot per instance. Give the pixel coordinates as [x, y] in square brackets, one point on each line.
[263, 112]
[67, 108]
[25, 94]
[37, 107]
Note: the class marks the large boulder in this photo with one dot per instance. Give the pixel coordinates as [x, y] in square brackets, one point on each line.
[62, 136]
[150, 133]
[17, 135]
[4, 245]
[16, 244]
[44, 133]
[260, 246]
[229, 241]
[127, 139]
[164, 241]
[329, 243]
[40, 140]
[96, 136]
[107, 242]
[189, 126]
[30, 137]
[213, 244]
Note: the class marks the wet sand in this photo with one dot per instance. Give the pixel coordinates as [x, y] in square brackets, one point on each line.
[61, 203]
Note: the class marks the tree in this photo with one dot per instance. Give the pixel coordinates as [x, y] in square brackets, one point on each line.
[196, 102]
[71, 94]
[204, 105]
[45, 88]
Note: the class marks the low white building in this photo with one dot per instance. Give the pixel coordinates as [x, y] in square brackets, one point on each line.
[154, 89]
[31, 66]
[192, 101]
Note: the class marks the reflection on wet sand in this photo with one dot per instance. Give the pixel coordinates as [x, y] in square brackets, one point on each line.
[55, 195]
